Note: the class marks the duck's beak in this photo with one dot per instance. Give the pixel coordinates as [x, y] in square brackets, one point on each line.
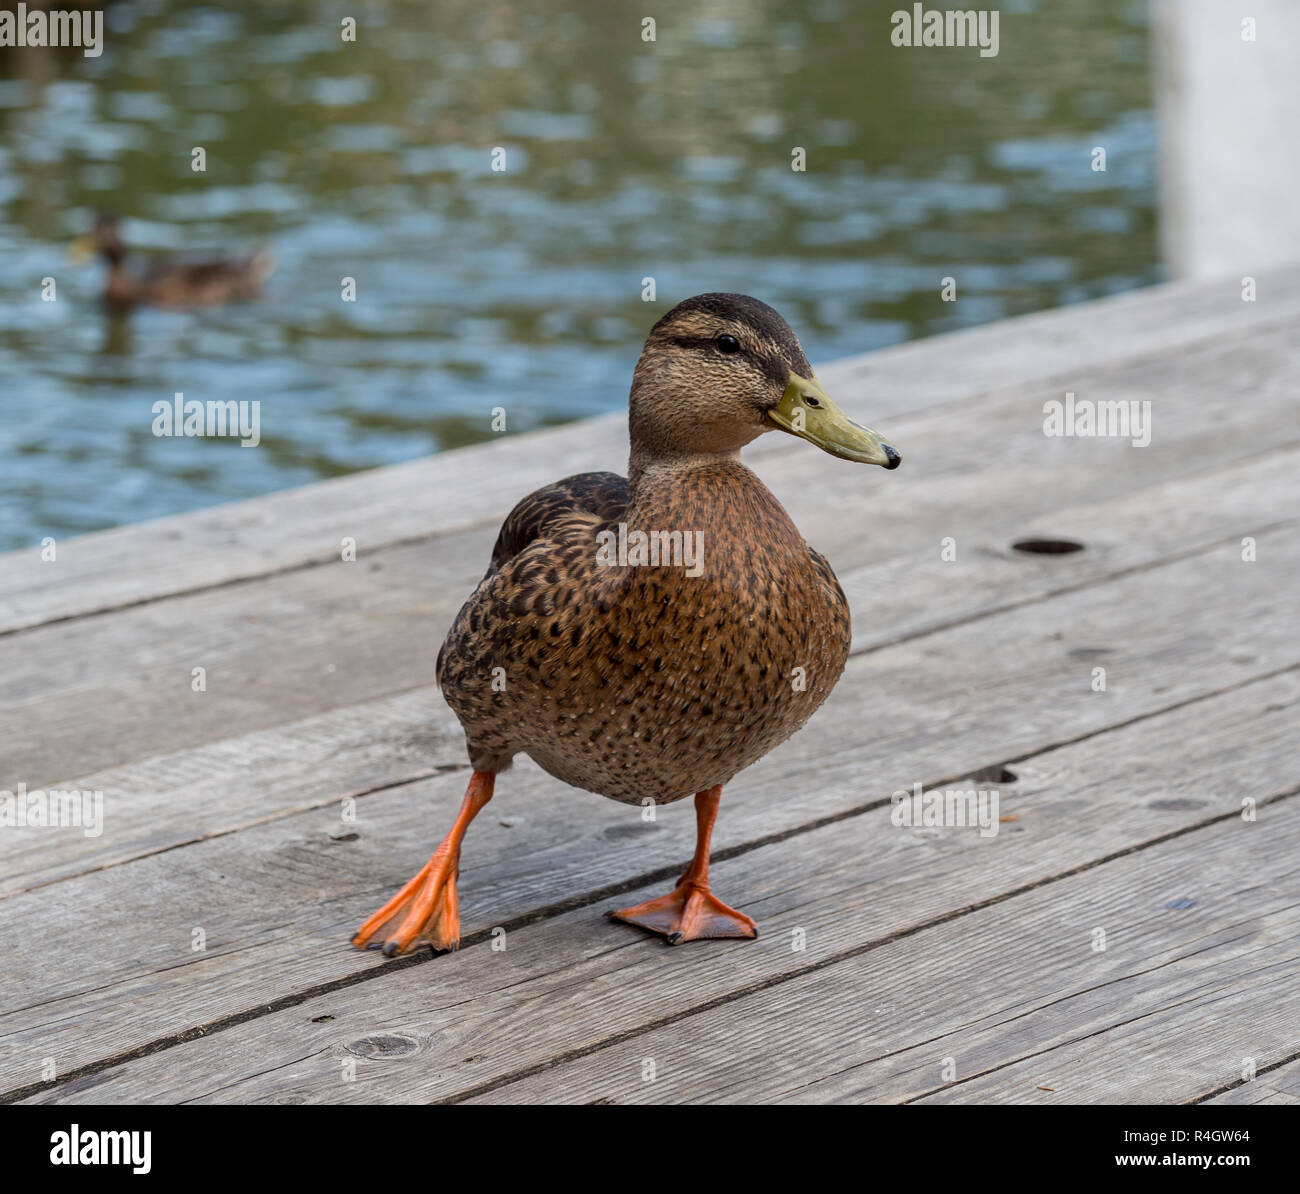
[806, 410]
[81, 250]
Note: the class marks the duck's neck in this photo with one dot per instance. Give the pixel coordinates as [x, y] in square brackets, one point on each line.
[648, 471]
[713, 493]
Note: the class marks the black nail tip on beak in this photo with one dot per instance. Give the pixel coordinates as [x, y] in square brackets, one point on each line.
[893, 457]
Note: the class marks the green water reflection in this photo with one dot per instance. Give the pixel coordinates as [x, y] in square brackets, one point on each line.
[521, 289]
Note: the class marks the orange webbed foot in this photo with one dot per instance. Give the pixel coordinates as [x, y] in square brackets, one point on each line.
[425, 912]
[690, 912]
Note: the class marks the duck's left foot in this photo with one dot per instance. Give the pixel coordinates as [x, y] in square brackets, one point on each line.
[689, 912]
[426, 911]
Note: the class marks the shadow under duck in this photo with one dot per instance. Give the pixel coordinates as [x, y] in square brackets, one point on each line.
[172, 283]
[652, 680]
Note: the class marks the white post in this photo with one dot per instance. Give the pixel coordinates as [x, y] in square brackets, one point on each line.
[1229, 110]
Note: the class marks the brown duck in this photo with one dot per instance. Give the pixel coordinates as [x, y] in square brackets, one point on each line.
[204, 283]
[649, 638]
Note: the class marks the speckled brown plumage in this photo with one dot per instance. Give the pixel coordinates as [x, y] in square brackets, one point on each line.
[653, 680]
[642, 682]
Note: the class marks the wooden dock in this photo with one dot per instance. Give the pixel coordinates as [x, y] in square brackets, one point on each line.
[1130, 934]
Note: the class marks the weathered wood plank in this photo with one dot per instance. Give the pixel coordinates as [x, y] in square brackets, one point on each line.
[175, 799]
[1163, 1013]
[1005, 687]
[166, 800]
[921, 591]
[274, 651]
[1279, 1087]
[378, 622]
[298, 527]
[1198, 1025]
[862, 891]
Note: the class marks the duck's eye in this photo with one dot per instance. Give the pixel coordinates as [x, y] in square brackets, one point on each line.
[727, 343]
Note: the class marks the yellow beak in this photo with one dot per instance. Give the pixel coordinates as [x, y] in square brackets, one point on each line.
[807, 411]
[81, 250]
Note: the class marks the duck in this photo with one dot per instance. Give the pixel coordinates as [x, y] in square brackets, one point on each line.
[627, 664]
[202, 283]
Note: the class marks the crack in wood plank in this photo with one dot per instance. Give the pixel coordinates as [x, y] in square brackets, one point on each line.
[153, 1047]
[1084, 584]
[982, 352]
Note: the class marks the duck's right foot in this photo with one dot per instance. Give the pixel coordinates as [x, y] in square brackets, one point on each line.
[690, 912]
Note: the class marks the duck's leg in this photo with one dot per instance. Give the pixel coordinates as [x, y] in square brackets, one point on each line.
[425, 911]
[691, 911]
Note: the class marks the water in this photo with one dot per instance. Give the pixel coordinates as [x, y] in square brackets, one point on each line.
[625, 160]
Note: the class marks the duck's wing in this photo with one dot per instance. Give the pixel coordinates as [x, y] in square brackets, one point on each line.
[541, 565]
[827, 575]
[603, 495]
[199, 282]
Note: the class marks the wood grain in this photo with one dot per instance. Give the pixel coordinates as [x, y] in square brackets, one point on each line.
[1279, 1087]
[277, 901]
[292, 646]
[179, 797]
[1012, 1004]
[301, 527]
[225, 810]
[862, 891]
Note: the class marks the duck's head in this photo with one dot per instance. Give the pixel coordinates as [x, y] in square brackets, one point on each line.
[719, 370]
[104, 238]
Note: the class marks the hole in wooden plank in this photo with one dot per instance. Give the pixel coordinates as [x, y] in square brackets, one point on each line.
[994, 775]
[634, 829]
[1047, 547]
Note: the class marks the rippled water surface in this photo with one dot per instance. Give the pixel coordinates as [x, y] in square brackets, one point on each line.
[475, 289]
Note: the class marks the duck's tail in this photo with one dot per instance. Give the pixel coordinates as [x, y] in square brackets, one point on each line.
[262, 264]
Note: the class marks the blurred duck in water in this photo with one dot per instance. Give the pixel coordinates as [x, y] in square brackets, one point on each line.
[204, 282]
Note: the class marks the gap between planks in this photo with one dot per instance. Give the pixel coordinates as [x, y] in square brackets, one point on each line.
[416, 775]
[964, 747]
[891, 1071]
[1286, 1073]
[367, 623]
[1061, 360]
[552, 911]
